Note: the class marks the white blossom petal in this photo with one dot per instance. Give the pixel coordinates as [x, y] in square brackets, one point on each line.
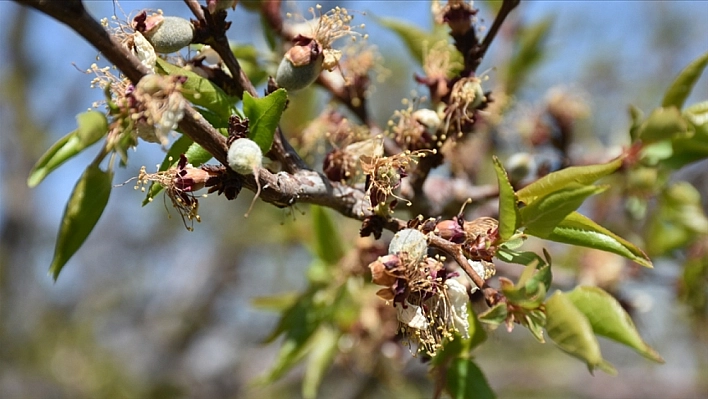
[457, 293]
[412, 316]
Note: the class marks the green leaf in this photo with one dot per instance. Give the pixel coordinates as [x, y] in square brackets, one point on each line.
[609, 319]
[180, 146]
[92, 126]
[683, 84]
[275, 303]
[299, 323]
[582, 175]
[528, 54]
[577, 229]
[663, 123]
[571, 331]
[84, 208]
[328, 243]
[508, 212]
[263, 116]
[325, 345]
[530, 291]
[697, 114]
[678, 220]
[247, 56]
[415, 39]
[495, 315]
[637, 116]
[544, 214]
[465, 380]
[201, 91]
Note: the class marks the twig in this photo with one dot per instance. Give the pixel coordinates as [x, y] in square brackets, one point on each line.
[506, 8]
[196, 9]
[455, 250]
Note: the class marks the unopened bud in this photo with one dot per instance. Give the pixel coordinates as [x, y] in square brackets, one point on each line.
[451, 231]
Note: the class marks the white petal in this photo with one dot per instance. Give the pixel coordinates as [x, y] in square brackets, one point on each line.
[411, 316]
[459, 300]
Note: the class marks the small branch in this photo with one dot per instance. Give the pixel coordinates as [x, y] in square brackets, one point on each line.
[491, 295]
[196, 9]
[506, 8]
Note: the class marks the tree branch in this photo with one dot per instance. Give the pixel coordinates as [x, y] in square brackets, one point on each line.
[281, 189]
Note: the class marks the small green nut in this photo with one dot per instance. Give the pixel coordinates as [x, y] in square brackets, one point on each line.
[172, 34]
[409, 241]
[245, 156]
[299, 68]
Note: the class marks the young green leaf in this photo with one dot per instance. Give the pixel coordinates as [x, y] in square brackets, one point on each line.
[328, 243]
[415, 39]
[465, 380]
[571, 331]
[662, 124]
[582, 175]
[247, 56]
[92, 126]
[201, 91]
[577, 229]
[263, 116]
[609, 319]
[81, 214]
[544, 213]
[495, 315]
[508, 211]
[683, 84]
[529, 53]
[324, 348]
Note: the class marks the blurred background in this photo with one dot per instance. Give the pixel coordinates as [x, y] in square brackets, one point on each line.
[147, 309]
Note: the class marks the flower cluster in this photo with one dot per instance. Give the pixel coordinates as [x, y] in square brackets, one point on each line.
[431, 306]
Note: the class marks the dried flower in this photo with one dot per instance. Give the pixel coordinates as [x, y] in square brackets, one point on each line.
[466, 96]
[179, 183]
[430, 307]
[456, 13]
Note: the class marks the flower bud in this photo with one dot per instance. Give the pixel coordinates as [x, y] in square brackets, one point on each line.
[451, 231]
[409, 241]
[170, 35]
